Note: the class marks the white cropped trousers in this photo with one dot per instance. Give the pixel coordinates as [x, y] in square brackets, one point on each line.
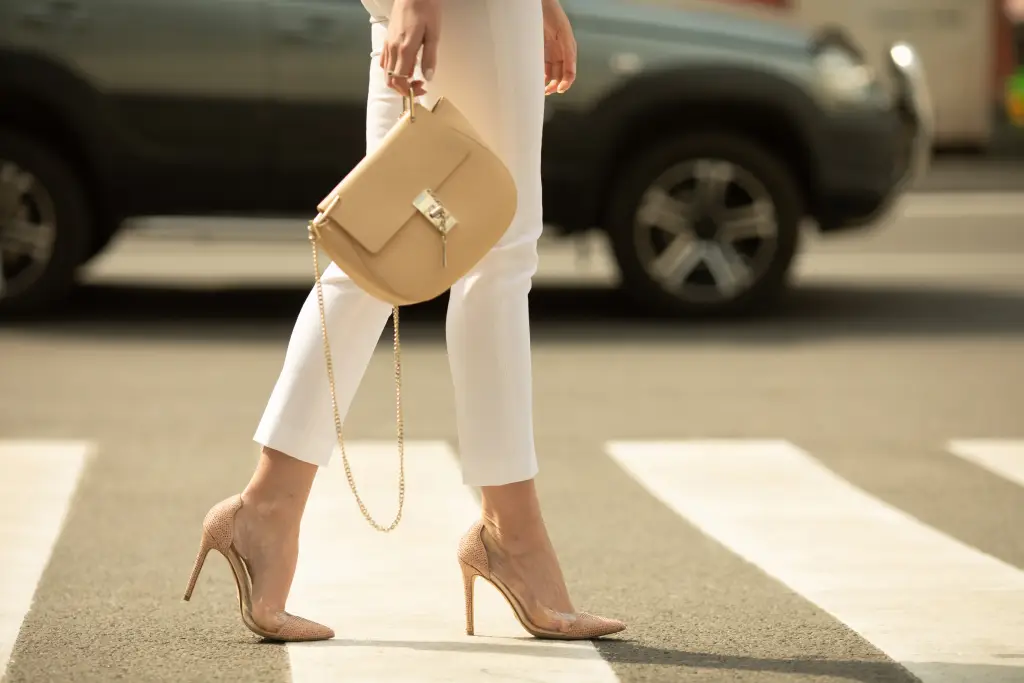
[491, 63]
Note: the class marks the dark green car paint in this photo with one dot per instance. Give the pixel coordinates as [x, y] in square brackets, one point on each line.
[256, 107]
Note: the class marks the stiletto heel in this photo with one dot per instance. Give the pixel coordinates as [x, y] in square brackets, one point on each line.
[473, 560]
[468, 574]
[218, 534]
[204, 549]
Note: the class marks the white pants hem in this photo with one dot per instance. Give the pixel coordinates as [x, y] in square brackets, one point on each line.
[292, 442]
[500, 476]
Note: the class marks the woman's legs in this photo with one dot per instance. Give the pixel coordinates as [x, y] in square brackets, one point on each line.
[266, 531]
[298, 419]
[491, 64]
[297, 429]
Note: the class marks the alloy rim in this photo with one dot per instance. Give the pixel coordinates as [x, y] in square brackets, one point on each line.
[28, 228]
[706, 231]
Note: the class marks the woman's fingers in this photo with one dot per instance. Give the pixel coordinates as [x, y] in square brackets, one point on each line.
[390, 62]
[554, 70]
[431, 40]
[391, 59]
[413, 25]
[399, 77]
[404, 65]
[568, 74]
[385, 58]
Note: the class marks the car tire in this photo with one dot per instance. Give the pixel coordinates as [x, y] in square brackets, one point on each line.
[56, 203]
[763, 271]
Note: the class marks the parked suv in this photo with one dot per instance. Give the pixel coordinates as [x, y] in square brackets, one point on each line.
[697, 141]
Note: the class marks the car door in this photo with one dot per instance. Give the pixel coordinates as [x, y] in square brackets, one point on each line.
[320, 65]
[184, 93]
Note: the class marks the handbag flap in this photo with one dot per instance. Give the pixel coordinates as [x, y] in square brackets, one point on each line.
[375, 199]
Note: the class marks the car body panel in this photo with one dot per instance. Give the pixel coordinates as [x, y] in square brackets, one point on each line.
[319, 71]
[258, 106]
[173, 95]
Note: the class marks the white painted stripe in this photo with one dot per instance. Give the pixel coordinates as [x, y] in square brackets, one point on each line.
[1003, 457]
[961, 205]
[38, 482]
[870, 266]
[944, 610]
[395, 600]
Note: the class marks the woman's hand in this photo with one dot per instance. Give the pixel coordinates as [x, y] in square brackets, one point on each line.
[559, 49]
[413, 24]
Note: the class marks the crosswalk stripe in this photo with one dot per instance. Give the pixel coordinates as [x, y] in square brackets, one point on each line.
[942, 609]
[39, 479]
[395, 600]
[1002, 457]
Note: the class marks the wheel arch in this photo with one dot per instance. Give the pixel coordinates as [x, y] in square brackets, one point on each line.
[768, 109]
[42, 100]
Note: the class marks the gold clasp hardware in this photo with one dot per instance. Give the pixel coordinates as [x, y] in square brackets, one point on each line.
[313, 229]
[409, 106]
[434, 211]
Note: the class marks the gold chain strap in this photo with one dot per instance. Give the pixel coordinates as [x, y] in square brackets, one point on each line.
[408, 107]
[334, 400]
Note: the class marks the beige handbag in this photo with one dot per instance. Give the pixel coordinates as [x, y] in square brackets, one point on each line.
[410, 220]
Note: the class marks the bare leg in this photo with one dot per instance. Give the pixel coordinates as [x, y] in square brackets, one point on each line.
[297, 430]
[521, 553]
[489, 64]
[267, 531]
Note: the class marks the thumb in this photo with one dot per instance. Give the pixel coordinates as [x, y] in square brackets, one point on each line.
[428, 63]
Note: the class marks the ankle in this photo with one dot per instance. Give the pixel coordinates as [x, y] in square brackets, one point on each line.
[279, 488]
[516, 536]
[270, 508]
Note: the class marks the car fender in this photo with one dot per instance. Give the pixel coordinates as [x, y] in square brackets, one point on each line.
[628, 109]
[33, 86]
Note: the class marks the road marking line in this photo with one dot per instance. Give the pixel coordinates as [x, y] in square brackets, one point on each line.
[961, 205]
[38, 482]
[832, 265]
[395, 600]
[944, 610]
[1002, 457]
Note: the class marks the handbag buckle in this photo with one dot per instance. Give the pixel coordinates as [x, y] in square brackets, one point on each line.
[428, 204]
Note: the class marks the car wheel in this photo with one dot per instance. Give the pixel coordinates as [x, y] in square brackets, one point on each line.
[44, 225]
[706, 223]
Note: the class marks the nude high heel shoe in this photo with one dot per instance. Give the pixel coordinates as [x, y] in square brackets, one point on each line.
[473, 560]
[218, 534]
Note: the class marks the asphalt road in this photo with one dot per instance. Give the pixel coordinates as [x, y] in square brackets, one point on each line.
[832, 492]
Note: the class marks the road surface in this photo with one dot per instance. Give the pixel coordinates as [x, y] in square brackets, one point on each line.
[834, 492]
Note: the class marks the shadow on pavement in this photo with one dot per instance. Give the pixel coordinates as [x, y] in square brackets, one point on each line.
[849, 670]
[616, 651]
[577, 315]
